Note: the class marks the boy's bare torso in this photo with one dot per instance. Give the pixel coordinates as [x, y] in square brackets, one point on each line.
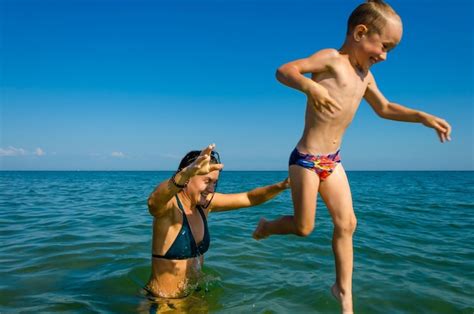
[323, 130]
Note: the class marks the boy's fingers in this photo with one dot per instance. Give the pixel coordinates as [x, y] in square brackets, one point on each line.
[442, 136]
[446, 129]
[439, 135]
[329, 107]
[440, 128]
[316, 106]
[448, 133]
[334, 104]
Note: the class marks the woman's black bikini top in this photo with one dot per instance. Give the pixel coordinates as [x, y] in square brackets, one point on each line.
[184, 246]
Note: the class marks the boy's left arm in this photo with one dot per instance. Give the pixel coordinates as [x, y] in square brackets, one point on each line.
[393, 111]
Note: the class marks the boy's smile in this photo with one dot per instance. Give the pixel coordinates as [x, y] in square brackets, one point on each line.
[374, 47]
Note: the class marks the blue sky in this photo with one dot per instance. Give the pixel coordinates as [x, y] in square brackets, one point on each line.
[134, 85]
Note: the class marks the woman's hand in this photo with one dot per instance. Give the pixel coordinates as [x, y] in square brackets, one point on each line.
[285, 184]
[202, 165]
[442, 128]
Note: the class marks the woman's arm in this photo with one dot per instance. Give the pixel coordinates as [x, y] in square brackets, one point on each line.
[224, 202]
[159, 200]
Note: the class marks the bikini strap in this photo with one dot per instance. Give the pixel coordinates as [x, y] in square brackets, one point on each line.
[203, 216]
[180, 205]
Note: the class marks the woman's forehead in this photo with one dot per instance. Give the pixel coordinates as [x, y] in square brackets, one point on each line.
[213, 175]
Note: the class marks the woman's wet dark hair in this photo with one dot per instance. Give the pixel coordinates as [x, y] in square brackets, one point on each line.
[190, 157]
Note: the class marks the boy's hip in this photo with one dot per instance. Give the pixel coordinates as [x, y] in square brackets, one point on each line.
[322, 164]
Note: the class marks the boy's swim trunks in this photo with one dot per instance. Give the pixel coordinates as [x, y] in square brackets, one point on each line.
[323, 165]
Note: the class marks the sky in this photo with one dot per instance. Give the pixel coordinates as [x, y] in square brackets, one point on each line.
[134, 84]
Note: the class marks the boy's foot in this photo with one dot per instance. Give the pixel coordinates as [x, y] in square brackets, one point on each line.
[337, 294]
[259, 232]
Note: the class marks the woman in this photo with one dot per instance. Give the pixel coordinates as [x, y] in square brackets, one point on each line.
[180, 206]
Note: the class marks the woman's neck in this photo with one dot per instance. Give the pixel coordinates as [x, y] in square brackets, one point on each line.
[187, 200]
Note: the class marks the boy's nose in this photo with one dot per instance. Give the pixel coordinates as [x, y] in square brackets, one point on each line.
[383, 56]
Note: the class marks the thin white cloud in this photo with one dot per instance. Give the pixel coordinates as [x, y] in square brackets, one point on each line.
[118, 155]
[12, 151]
[39, 152]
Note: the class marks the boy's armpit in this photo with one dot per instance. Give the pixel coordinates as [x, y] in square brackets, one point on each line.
[374, 96]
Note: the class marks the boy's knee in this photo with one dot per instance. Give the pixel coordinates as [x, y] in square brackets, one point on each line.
[304, 230]
[347, 225]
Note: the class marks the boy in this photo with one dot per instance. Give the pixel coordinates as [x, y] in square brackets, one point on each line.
[340, 78]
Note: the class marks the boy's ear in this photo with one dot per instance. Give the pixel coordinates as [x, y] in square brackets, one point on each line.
[360, 31]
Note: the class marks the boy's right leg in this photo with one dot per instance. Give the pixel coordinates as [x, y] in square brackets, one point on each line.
[304, 191]
[336, 193]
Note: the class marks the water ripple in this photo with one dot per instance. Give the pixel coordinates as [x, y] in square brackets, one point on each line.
[80, 242]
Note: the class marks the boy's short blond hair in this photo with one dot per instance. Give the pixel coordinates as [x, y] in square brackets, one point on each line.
[373, 14]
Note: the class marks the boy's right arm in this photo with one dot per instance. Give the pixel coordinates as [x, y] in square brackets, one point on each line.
[291, 74]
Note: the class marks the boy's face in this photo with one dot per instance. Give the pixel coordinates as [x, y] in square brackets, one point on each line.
[374, 47]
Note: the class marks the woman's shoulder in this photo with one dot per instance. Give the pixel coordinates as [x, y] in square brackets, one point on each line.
[167, 211]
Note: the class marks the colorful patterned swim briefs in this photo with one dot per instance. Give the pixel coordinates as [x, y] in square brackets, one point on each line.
[323, 165]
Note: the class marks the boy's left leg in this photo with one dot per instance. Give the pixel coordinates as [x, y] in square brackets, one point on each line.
[336, 193]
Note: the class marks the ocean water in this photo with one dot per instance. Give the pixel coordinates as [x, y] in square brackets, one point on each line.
[80, 242]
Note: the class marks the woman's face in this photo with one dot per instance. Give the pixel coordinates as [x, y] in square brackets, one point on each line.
[202, 187]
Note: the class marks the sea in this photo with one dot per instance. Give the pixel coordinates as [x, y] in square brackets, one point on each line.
[80, 242]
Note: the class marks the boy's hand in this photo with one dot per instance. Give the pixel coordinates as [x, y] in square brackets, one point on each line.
[202, 165]
[443, 129]
[319, 97]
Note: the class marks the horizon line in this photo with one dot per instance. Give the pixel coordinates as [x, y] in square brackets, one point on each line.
[235, 170]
